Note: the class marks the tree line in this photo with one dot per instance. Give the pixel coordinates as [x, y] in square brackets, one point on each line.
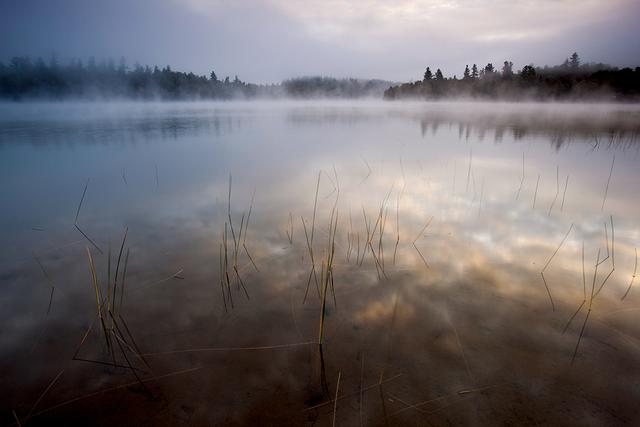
[23, 78]
[571, 80]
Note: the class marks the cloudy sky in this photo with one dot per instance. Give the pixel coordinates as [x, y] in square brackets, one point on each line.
[269, 40]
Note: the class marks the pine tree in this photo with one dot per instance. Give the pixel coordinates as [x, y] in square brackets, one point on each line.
[574, 61]
[489, 69]
[428, 75]
[507, 69]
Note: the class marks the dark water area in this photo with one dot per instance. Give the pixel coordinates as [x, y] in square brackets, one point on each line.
[435, 220]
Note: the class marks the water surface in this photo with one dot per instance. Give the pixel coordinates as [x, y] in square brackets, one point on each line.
[445, 214]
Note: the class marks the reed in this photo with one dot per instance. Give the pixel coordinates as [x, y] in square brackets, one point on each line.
[595, 293]
[350, 236]
[222, 283]
[586, 319]
[584, 290]
[246, 230]
[453, 184]
[322, 314]
[420, 234]
[124, 276]
[462, 353]
[367, 226]
[115, 283]
[51, 284]
[327, 272]
[96, 288]
[521, 179]
[473, 187]
[535, 194]
[369, 171]
[309, 237]
[121, 343]
[564, 193]
[225, 263]
[381, 237]
[378, 265]
[360, 400]
[555, 198]
[611, 254]
[553, 307]
[289, 231]
[469, 170]
[395, 249]
[75, 221]
[346, 396]
[84, 192]
[77, 227]
[37, 402]
[133, 341]
[335, 400]
[246, 225]
[312, 273]
[633, 277]
[315, 208]
[481, 197]
[606, 190]
[109, 275]
[109, 389]
[382, 401]
[15, 417]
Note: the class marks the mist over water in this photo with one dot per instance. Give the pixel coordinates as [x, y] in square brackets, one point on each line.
[453, 317]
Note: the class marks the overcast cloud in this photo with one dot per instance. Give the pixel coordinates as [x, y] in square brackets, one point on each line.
[269, 40]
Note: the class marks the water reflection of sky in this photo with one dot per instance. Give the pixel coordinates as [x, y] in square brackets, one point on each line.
[479, 316]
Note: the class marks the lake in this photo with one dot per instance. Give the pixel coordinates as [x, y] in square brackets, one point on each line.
[319, 263]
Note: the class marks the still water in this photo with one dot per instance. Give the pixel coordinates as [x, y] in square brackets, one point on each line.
[168, 264]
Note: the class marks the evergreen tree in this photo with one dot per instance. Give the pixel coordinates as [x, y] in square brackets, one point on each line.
[574, 61]
[439, 75]
[474, 71]
[465, 76]
[428, 75]
[528, 73]
[507, 69]
[213, 76]
[488, 70]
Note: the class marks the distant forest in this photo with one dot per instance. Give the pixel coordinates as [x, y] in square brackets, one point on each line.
[571, 80]
[23, 79]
